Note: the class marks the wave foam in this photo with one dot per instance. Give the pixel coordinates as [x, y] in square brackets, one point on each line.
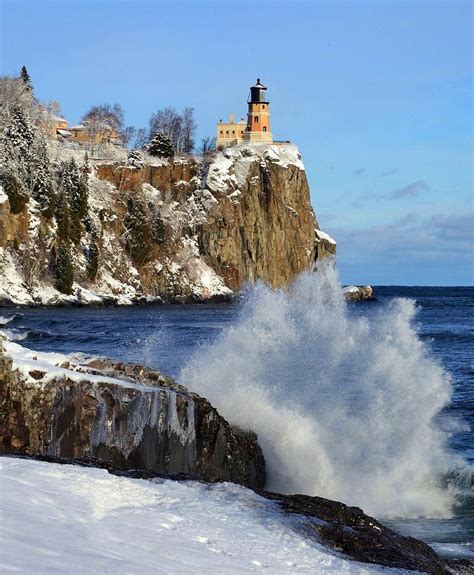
[345, 407]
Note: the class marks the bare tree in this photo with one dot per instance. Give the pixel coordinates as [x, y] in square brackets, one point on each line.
[188, 130]
[167, 122]
[140, 138]
[104, 123]
[180, 128]
[208, 145]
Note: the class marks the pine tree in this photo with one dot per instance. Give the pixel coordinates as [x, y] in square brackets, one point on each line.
[64, 271]
[62, 215]
[25, 77]
[14, 187]
[139, 232]
[159, 228]
[161, 145]
[18, 136]
[70, 189]
[83, 189]
[43, 185]
[93, 258]
[135, 158]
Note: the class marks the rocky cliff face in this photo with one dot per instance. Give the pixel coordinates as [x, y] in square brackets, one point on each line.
[123, 415]
[213, 224]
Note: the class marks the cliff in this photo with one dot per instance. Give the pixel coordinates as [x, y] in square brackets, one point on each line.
[188, 229]
[126, 416]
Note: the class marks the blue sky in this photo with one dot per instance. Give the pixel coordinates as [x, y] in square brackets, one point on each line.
[377, 95]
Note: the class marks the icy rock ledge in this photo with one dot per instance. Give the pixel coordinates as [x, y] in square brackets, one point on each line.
[124, 415]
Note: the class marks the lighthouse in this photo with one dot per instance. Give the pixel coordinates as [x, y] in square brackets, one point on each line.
[258, 115]
[257, 128]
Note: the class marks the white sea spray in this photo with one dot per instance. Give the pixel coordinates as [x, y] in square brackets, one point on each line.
[344, 406]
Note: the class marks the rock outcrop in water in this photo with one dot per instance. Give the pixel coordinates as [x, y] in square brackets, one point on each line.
[124, 415]
[188, 229]
[358, 293]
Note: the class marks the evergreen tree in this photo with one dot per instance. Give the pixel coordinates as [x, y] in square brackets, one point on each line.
[139, 231]
[64, 271]
[62, 215]
[83, 190]
[14, 187]
[18, 136]
[25, 77]
[161, 145]
[135, 158]
[74, 193]
[43, 185]
[93, 257]
[159, 228]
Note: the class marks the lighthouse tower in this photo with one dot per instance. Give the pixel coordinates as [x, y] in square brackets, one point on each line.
[258, 116]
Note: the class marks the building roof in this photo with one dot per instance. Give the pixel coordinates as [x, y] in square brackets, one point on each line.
[63, 132]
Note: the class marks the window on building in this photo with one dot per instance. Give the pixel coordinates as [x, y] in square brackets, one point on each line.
[264, 128]
[256, 119]
[263, 107]
[233, 131]
[221, 132]
[227, 132]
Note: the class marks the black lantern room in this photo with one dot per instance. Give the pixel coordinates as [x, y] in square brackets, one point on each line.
[258, 94]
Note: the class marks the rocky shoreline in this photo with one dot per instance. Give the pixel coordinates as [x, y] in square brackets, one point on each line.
[351, 294]
[135, 422]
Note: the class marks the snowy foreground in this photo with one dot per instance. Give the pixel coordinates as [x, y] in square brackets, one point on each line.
[69, 519]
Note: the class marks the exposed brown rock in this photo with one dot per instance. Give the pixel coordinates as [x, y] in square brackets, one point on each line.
[146, 422]
[13, 227]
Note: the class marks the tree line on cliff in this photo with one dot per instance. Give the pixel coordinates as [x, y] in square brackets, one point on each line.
[61, 190]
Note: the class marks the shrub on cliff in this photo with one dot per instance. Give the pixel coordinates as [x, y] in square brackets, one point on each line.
[162, 146]
[139, 234]
[64, 272]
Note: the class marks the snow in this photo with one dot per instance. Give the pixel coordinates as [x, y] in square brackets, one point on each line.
[324, 236]
[350, 289]
[229, 168]
[3, 196]
[68, 519]
[27, 360]
[204, 280]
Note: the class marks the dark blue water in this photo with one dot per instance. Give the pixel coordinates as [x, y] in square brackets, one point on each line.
[165, 337]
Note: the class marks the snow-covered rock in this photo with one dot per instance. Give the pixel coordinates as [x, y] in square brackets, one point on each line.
[125, 415]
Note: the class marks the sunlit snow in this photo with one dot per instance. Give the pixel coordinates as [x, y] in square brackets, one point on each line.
[68, 519]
